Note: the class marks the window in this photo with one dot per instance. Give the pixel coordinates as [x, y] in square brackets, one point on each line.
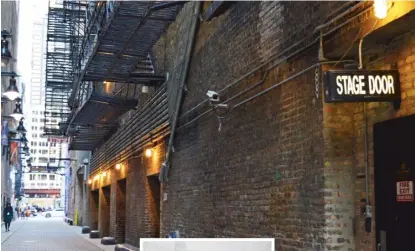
[44, 177]
[34, 120]
[43, 160]
[32, 177]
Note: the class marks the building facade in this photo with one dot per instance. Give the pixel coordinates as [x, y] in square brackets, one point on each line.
[45, 152]
[9, 23]
[271, 156]
[43, 189]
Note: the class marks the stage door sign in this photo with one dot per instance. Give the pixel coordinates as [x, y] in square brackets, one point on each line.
[361, 86]
[405, 191]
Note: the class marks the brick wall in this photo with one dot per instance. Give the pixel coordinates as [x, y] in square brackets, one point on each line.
[344, 147]
[262, 174]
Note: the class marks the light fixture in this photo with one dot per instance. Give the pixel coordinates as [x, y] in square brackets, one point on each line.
[104, 174]
[144, 89]
[12, 92]
[89, 181]
[118, 166]
[26, 148]
[5, 52]
[17, 113]
[148, 152]
[381, 8]
[20, 128]
[23, 139]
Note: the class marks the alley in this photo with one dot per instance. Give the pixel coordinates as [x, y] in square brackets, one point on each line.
[39, 233]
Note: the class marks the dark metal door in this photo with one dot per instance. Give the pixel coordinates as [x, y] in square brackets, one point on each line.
[394, 153]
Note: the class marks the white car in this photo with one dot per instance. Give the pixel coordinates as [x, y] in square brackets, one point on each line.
[58, 212]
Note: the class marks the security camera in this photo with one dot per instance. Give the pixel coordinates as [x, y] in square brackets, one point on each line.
[213, 96]
[86, 161]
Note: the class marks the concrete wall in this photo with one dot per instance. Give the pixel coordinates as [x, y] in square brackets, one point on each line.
[78, 188]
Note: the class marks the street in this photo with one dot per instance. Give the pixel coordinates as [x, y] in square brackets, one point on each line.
[39, 233]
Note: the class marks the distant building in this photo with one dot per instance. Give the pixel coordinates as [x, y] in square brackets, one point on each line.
[43, 189]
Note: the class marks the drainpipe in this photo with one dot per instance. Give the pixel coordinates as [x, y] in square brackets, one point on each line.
[368, 211]
[166, 164]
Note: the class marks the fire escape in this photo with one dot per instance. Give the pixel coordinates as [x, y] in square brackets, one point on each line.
[64, 32]
[112, 64]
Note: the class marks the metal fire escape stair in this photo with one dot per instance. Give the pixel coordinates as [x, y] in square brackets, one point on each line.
[116, 65]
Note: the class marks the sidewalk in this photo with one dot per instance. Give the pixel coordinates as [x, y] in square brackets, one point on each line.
[96, 242]
[41, 234]
[14, 226]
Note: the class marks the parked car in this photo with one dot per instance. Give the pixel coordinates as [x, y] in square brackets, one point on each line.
[58, 212]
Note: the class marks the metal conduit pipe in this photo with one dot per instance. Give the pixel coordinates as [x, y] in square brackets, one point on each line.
[155, 103]
[348, 11]
[130, 129]
[291, 78]
[267, 71]
[277, 63]
[341, 8]
[160, 133]
[230, 99]
[144, 139]
[165, 166]
[140, 122]
[107, 158]
[275, 57]
[154, 119]
[118, 139]
[152, 123]
[268, 89]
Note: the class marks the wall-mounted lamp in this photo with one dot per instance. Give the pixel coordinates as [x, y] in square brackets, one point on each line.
[89, 181]
[23, 139]
[118, 166]
[12, 92]
[381, 8]
[17, 113]
[21, 128]
[148, 152]
[104, 174]
[5, 52]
